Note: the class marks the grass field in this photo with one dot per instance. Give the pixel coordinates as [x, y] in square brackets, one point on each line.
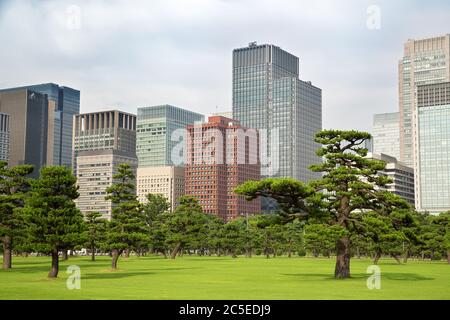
[223, 278]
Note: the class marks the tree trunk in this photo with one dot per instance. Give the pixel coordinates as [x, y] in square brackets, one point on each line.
[377, 256]
[115, 253]
[405, 258]
[289, 253]
[7, 252]
[55, 264]
[64, 255]
[396, 258]
[175, 250]
[93, 253]
[342, 269]
[127, 253]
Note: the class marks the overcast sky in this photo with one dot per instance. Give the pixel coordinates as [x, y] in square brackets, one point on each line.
[127, 54]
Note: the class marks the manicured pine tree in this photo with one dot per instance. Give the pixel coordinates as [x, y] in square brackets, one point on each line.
[51, 213]
[128, 226]
[184, 224]
[348, 186]
[95, 231]
[14, 187]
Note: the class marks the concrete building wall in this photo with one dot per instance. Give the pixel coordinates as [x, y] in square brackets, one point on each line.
[4, 136]
[95, 170]
[166, 180]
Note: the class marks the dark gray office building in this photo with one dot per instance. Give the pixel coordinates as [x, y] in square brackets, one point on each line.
[66, 105]
[30, 126]
[268, 95]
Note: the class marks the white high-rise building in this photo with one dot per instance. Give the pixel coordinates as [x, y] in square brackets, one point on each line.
[425, 61]
[95, 171]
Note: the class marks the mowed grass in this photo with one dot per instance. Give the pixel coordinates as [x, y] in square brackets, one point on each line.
[192, 277]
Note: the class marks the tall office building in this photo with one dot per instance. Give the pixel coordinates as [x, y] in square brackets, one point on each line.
[220, 156]
[432, 147]
[95, 171]
[166, 180]
[402, 176]
[66, 104]
[101, 142]
[31, 127]
[386, 134]
[155, 126]
[268, 95]
[425, 61]
[104, 130]
[4, 136]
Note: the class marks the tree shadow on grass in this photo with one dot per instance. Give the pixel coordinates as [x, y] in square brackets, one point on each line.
[386, 275]
[114, 275]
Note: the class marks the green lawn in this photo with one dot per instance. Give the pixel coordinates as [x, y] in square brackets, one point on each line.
[223, 278]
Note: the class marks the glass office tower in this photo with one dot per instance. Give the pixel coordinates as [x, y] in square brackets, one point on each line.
[425, 61]
[67, 104]
[432, 148]
[154, 129]
[268, 95]
[386, 134]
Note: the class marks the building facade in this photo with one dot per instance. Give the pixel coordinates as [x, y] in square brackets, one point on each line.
[425, 61]
[65, 104]
[31, 120]
[220, 156]
[155, 126]
[95, 170]
[432, 147]
[386, 134]
[166, 180]
[269, 96]
[402, 177]
[104, 130]
[4, 136]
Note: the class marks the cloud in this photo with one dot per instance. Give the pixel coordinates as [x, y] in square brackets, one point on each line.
[179, 52]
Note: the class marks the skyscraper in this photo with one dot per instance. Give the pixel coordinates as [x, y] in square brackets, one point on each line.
[31, 127]
[432, 147]
[268, 95]
[104, 130]
[425, 61]
[386, 134]
[66, 103]
[220, 156]
[101, 142]
[155, 126]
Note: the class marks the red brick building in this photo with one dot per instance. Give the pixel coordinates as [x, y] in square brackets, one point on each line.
[220, 156]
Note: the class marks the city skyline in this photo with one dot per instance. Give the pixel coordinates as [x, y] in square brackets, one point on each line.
[125, 63]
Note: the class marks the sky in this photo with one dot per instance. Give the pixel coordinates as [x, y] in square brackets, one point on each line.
[128, 54]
